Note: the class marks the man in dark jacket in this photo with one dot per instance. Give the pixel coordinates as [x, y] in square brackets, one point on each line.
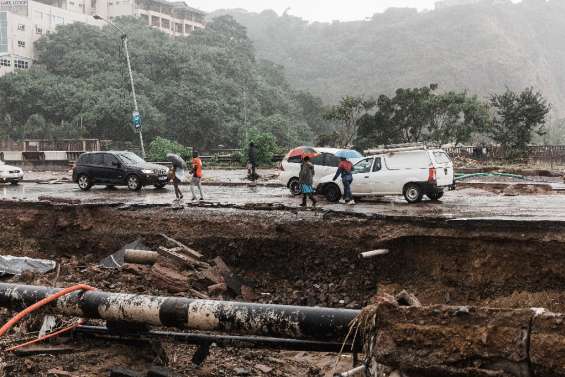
[252, 157]
[306, 181]
[344, 169]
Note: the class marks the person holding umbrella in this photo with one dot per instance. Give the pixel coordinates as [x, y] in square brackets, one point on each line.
[177, 172]
[306, 180]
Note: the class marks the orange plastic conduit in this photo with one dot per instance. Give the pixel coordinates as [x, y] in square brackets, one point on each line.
[39, 304]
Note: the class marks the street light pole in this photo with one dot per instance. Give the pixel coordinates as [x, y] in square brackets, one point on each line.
[136, 108]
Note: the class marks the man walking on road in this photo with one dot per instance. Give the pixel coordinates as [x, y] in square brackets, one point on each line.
[196, 175]
[252, 157]
[306, 181]
[344, 169]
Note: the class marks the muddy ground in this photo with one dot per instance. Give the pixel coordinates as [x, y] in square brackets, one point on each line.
[287, 257]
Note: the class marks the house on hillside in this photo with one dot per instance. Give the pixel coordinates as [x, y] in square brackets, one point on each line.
[22, 22]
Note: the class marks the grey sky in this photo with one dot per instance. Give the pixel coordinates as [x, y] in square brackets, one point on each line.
[316, 10]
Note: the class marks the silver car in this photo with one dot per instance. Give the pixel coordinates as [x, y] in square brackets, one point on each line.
[11, 174]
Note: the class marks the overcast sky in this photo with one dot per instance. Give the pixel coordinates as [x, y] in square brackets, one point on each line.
[316, 10]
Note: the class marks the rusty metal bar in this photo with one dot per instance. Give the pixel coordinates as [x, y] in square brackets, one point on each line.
[295, 322]
[224, 340]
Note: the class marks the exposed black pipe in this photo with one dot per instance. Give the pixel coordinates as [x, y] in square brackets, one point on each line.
[321, 324]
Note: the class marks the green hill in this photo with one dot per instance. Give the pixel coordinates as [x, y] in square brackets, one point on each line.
[482, 47]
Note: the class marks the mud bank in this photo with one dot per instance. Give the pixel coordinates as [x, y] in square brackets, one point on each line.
[299, 258]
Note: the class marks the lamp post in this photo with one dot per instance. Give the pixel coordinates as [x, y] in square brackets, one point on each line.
[136, 118]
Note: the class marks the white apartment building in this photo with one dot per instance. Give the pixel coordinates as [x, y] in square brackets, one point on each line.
[22, 22]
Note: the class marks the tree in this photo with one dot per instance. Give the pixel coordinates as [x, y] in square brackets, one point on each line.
[421, 115]
[517, 117]
[348, 112]
[160, 146]
[265, 143]
[203, 90]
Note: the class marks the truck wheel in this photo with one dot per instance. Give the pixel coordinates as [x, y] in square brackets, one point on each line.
[332, 193]
[134, 184]
[84, 183]
[413, 193]
[14, 183]
[435, 195]
[294, 186]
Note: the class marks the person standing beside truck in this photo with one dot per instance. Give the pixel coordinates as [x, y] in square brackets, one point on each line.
[196, 175]
[306, 181]
[344, 169]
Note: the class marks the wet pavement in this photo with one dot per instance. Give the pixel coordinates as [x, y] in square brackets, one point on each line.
[465, 203]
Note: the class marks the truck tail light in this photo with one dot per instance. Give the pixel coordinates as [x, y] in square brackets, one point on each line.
[432, 175]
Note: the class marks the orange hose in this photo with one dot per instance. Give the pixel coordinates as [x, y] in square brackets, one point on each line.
[39, 304]
[47, 336]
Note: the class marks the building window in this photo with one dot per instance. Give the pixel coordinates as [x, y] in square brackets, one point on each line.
[155, 21]
[71, 3]
[21, 64]
[21, 44]
[93, 3]
[21, 27]
[178, 28]
[165, 24]
[58, 20]
[38, 30]
[5, 62]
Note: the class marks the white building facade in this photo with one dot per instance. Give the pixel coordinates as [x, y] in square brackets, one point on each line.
[22, 22]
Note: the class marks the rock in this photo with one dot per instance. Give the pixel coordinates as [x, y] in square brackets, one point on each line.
[248, 293]
[168, 279]
[436, 339]
[217, 289]
[242, 372]
[547, 354]
[263, 368]
[136, 269]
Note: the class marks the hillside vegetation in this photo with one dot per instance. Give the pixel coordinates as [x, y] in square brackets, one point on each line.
[483, 47]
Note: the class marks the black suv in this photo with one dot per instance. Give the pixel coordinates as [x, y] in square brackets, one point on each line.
[117, 169]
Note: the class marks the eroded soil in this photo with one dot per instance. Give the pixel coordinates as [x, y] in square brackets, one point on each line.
[299, 258]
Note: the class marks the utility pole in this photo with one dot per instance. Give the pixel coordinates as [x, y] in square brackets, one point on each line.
[136, 117]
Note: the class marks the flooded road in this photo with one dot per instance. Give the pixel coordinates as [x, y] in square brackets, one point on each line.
[465, 203]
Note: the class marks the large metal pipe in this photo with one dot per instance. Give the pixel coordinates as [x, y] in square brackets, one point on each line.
[230, 317]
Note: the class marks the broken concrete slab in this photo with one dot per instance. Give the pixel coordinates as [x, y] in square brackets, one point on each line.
[444, 340]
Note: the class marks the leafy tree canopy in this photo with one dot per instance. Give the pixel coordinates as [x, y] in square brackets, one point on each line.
[203, 90]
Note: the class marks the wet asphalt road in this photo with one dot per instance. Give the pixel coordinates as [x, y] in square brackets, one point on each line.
[466, 203]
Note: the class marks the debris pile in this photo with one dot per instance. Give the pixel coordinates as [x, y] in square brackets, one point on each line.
[178, 269]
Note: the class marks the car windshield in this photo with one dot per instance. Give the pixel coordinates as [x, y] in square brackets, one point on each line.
[130, 158]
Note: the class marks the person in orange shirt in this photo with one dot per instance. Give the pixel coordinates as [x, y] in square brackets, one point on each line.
[196, 175]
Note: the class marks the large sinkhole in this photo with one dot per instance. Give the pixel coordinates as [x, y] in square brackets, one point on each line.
[304, 259]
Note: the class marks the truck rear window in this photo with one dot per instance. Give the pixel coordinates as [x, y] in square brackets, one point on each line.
[441, 157]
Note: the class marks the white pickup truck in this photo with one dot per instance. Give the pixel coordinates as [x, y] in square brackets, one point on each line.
[412, 172]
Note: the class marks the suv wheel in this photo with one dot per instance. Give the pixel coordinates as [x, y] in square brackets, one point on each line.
[134, 184]
[332, 193]
[84, 183]
[413, 193]
[435, 195]
[294, 186]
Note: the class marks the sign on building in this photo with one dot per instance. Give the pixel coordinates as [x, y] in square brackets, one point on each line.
[14, 6]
